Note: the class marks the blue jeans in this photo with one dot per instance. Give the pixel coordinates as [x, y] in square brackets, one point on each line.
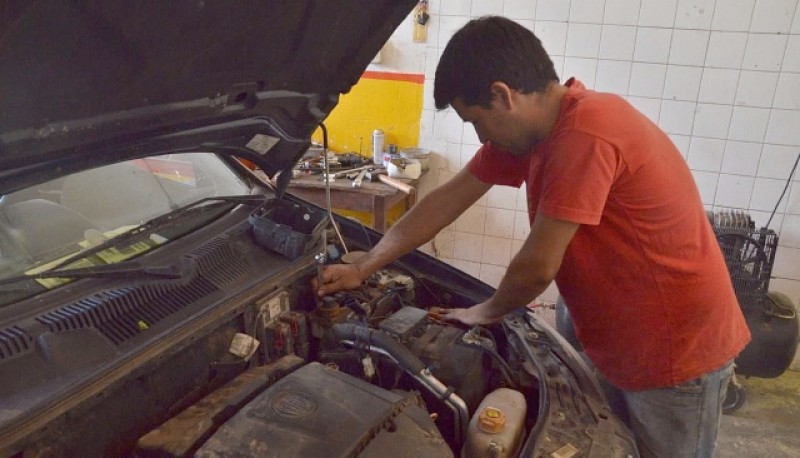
[680, 421]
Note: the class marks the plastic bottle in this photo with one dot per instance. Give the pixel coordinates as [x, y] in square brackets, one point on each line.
[378, 140]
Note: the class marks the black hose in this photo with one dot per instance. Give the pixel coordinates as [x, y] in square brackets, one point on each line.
[361, 334]
[505, 369]
[788, 182]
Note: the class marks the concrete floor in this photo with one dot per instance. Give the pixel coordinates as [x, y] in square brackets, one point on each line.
[768, 424]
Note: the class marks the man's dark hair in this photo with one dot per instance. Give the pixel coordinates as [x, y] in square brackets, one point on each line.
[486, 50]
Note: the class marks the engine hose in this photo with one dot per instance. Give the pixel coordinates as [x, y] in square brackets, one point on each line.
[505, 370]
[375, 338]
[487, 345]
[456, 404]
[377, 341]
[437, 388]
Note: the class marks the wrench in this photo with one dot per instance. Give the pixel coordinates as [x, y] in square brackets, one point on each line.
[342, 173]
[359, 178]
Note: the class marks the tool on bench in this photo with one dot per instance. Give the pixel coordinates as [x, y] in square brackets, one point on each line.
[343, 173]
[360, 177]
[371, 173]
[379, 174]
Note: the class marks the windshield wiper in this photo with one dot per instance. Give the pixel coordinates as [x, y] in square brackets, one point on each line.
[122, 269]
[156, 224]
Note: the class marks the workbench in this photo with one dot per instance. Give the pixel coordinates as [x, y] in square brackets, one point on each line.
[373, 197]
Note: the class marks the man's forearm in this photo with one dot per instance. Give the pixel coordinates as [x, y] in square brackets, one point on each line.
[534, 267]
[516, 289]
[424, 220]
[416, 227]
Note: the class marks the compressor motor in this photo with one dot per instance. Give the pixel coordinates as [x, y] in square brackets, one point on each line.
[771, 316]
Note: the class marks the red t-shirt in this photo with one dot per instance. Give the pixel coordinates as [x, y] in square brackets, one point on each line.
[644, 278]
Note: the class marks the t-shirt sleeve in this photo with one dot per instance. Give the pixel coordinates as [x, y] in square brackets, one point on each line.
[577, 178]
[495, 166]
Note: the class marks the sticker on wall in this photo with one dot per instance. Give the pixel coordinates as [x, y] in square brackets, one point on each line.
[421, 17]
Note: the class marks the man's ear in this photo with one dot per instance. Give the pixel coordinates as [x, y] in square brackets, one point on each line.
[502, 93]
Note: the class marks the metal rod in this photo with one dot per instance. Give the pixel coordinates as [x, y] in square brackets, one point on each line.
[436, 387]
[328, 205]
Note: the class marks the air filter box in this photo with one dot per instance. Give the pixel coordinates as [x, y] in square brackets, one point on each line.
[319, 411]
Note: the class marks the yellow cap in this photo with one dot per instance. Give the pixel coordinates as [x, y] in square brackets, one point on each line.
[491, 420]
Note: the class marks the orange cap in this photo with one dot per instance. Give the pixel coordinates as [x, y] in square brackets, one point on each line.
[491, 420]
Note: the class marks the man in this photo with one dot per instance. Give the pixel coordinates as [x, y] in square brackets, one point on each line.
[616, 221]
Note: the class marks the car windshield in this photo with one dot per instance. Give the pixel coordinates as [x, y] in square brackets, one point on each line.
[44, 225]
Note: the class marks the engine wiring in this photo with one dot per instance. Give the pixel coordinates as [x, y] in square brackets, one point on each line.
[475, 336]
[419, 281]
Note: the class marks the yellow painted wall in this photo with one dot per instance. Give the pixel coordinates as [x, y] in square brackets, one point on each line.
[388, 101]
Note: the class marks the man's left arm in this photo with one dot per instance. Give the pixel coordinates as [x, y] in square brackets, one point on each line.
[530, 272]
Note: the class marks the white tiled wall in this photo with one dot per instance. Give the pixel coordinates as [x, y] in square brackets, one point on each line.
[721, 77]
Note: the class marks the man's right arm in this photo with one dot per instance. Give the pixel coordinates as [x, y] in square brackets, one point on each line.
[420, 224]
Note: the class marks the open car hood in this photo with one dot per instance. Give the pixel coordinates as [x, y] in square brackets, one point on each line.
[87, 83]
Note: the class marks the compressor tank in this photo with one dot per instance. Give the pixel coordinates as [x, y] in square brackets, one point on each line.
[774, 328]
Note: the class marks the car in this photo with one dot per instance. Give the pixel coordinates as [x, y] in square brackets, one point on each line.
[155, 293]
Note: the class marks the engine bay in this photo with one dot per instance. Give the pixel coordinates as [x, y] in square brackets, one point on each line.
[238, 357]
[354, 372]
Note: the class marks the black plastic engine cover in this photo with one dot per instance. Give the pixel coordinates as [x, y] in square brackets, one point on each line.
[464, 367]
[318, 411]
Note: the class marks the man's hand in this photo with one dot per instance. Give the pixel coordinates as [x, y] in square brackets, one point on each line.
[476, 315]
[338, 277]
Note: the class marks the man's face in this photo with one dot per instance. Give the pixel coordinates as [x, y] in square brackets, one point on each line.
[496, 124]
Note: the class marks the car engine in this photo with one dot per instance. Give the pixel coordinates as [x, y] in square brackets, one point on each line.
[385, 373]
